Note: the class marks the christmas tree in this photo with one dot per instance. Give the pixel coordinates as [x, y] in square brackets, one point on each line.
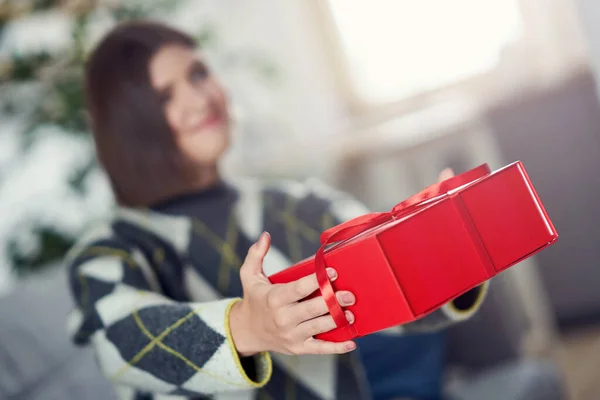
[44, 137]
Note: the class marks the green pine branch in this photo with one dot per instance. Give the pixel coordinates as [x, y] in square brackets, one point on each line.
[53, 246]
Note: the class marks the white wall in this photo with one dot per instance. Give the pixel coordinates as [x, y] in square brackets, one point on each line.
[589, 16]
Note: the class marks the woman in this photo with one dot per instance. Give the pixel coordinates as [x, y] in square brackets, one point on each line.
[172, 291]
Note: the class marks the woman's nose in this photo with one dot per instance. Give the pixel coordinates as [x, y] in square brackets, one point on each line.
[194, 98]
[194, 104]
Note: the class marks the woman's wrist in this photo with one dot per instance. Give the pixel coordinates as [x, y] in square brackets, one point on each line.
[240, 327]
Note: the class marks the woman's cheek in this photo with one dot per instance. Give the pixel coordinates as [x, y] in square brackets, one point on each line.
[172, 120]
[218, 94]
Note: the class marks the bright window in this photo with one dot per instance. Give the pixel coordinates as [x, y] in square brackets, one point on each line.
[395, 49]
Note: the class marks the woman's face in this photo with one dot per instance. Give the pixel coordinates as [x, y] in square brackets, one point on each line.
[194, 103]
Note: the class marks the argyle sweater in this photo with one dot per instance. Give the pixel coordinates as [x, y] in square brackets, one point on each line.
[153, 289]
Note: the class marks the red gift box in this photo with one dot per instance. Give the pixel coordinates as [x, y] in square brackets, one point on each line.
[428, 250]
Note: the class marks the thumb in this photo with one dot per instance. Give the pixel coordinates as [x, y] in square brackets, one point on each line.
[256, 254]
[445, 174]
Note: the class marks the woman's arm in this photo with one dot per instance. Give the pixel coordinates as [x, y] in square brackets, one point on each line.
[145, 340]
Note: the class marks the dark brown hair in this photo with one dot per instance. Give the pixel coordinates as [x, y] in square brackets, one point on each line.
[133, 140]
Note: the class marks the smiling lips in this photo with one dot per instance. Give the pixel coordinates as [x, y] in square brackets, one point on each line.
[212, 120]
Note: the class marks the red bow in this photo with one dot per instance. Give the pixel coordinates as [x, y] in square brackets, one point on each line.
[365, 222]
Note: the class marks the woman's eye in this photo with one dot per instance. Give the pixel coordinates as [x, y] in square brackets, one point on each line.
[198, 73]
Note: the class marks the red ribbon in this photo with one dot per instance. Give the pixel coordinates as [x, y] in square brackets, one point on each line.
[365, 222]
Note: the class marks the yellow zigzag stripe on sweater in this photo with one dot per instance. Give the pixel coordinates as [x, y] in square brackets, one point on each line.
[213, 239]
[288, 218]
[157, 341]
[154, 341]
[225, 248]
[109, 251]
[228, 255]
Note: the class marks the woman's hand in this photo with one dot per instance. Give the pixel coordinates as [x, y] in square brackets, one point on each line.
[445, 174]
[276, 318]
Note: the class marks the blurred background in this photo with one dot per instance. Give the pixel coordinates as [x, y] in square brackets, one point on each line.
[374, 97]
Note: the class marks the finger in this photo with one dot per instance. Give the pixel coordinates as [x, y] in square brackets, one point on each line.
[256, 254]
[316, 346]
[313, 308]
[290, 293]
[322, 324]
[445, 174]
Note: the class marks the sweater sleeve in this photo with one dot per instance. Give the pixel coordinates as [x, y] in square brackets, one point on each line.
[343, 207]
[146, 341]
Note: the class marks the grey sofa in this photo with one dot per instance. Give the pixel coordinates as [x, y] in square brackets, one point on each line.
[37, 360]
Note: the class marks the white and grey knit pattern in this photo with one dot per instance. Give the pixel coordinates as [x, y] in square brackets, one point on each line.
[153, 291]
[143, 338]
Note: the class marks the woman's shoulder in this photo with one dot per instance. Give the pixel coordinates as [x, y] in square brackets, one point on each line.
[287, 187]
[127, 229]
[306, 196]
[98, 233]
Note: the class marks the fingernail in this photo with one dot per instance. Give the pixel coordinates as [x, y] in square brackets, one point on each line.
[349, 316]
[347, 298]
[262, 239]
[350, 346]
[331, 273]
